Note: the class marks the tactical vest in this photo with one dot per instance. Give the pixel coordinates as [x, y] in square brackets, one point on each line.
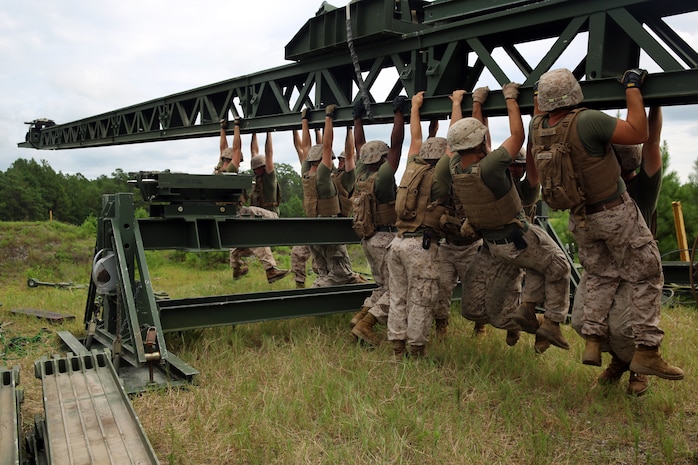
[481, 207]
[345, 203]
[595, 178]
[257, 198]
[368, 213]
[412, 202]
[315, 206]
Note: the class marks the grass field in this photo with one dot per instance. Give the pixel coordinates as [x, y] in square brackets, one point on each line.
[303, 391]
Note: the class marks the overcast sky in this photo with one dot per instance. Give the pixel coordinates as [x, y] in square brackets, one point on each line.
[72, 59]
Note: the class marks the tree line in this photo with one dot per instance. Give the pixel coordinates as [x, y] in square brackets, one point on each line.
[32, 191]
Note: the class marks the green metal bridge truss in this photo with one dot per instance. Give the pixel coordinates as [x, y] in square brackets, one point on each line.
[432, 46]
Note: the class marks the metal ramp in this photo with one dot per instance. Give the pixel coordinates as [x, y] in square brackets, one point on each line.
[10, 398]
[88, 416]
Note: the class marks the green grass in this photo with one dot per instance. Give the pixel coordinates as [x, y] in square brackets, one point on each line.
[303, 391]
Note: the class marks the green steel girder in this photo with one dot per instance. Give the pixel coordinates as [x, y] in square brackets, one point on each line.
[430, 55]
[226, 310]
[221, 233]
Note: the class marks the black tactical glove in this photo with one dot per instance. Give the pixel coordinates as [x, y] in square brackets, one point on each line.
[359, 110]
[633, 78]
[399, 104]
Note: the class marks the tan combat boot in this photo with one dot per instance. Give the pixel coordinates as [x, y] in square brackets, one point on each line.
[614, 371]
[525, 316]
[399, 350]
[240, 271]
[592, 351]
[441, 328]
[364, 330]
[359, 316]
[541, 344]
[647, 361]
[551, 331]
[513, 336]
[415, 351]
[274, 274]
[479, 329]
[638, 384]
[356, 278]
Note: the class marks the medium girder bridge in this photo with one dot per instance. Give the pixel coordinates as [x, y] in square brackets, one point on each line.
[415, 45]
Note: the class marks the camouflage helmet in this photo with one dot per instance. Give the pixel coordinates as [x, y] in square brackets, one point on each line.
[558, 89]
[342, 155]
[373, 151]
[315, 153]
[520, 158]
[227, 153]
[433, 148]
[629, 156]
[258, 161]
[466, 133]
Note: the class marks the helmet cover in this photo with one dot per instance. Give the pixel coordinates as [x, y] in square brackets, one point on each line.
[433, 148]
[373, 151]
[558, 89]
[466, 133]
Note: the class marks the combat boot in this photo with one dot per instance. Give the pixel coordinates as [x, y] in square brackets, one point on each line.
[513, 336]
[359, 316]
[592, 351]
[274, 274]
[614, 371]
[479, 329]
[399, 349]
[415, 351]
[364, 330]
[541, 344]
[240, 271]
[525, 316]
[647, 361]
[356, 278]
[551, 331]
[441, 328]
[638, 384]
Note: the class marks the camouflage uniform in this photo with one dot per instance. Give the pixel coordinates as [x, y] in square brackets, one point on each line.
[332, 261]
[645, 191]
[454, 261]
[414, 269]
[614, 242]
[520, 243]
[376, 251]
[263, 254]
[491, 290]
[376, 247]
[616, 245]
[414, 289]
[299, 258]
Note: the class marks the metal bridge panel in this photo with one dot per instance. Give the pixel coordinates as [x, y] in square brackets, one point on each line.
[89, 418]
[10, 419]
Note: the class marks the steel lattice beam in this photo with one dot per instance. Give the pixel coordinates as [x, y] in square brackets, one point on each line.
[431, 55]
